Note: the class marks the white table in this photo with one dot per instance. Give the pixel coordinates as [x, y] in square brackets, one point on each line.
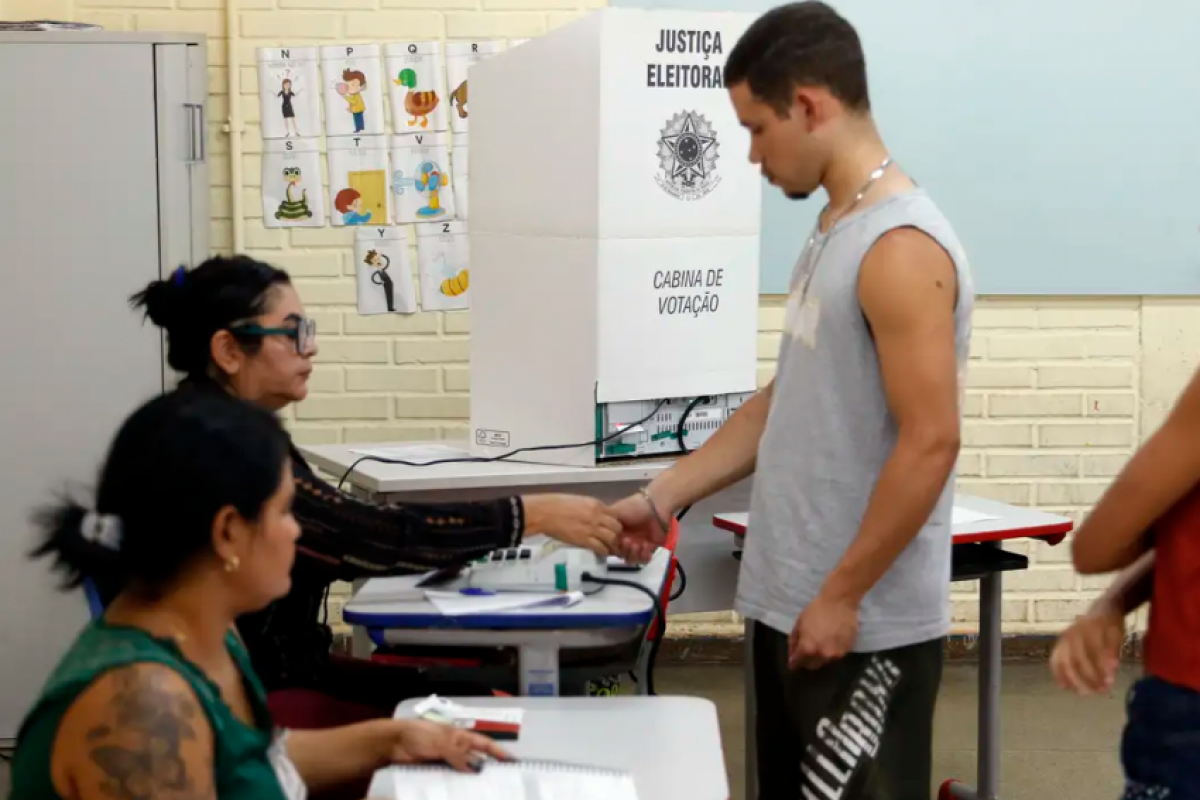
[614, 615]
[703, 551]
[972, 562]
[671, 745]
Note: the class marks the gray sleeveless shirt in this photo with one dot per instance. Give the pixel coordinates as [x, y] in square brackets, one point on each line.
[828, 434]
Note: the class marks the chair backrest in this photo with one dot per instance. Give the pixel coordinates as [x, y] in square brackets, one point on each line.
[670, 543]
[95, 604]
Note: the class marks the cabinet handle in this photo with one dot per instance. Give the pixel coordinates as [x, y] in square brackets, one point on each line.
[201, 131]
[195, 124]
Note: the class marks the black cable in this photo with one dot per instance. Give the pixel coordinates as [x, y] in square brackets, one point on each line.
[682, 581]
[489, 459]
[680, 433]
[658, 615]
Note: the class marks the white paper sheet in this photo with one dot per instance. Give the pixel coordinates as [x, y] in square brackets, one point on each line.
[292, 194]
[289, 91]
[459, 58]
[416, 81]
[444, 259]
[454, 604]
[353, 88]
[383, 271]
[358, 180]
[514, 781]
[389, 590]
[417, 453]
[422, 183]
[965, 516]
[445, 785]
[449, 710]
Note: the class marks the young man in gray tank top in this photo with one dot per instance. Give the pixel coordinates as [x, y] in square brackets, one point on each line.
[846, 571]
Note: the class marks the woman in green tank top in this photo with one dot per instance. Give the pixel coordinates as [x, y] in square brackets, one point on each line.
[157, 699]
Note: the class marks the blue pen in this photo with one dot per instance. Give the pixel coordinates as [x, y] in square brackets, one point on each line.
[476, 592]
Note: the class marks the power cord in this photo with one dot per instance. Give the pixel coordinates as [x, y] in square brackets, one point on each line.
[682, 581]
[502, 457]
[658, 615]
[680, 434]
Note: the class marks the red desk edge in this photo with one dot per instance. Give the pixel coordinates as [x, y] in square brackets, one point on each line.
[1052, 533]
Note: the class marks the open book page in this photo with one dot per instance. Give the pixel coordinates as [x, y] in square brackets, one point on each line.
[565, 786]
[513, 781]
[445, 784]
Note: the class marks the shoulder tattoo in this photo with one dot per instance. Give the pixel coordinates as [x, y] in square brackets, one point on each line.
[140, 748]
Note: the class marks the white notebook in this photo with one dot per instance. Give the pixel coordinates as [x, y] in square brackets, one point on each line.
[513, 780]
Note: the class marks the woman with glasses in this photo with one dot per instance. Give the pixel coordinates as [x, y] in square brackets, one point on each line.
[237, 325]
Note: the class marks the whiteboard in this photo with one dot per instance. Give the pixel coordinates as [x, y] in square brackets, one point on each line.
[1061, 139]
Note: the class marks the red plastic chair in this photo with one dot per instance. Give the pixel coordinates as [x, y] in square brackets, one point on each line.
[672, 541]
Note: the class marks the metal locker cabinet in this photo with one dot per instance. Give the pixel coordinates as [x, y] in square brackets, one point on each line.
[103, 187]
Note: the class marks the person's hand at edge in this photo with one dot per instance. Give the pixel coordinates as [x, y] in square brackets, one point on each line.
[824, 631]
[417, 741]
[1087, 654]
[642, 529]
[574, 520]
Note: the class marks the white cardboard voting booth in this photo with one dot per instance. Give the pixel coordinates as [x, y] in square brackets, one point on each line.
[614, 233]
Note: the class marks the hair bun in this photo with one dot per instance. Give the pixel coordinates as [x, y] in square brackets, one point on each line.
[162, 299]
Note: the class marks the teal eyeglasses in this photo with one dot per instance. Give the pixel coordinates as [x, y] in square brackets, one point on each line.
[304, 334]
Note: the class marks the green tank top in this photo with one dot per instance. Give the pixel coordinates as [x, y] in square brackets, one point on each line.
[242, 755]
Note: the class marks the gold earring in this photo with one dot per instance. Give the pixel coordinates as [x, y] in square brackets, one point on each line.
[232, 564]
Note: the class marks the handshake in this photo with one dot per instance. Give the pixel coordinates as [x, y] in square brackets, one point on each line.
[631, 529]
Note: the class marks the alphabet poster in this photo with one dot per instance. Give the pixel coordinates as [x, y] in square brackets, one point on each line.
[417, 86]
[353, 95]
[421, 178]
[358, 180]
[459, 58]
[460, 166]
[292, 193]
[444, 256]
[385, 284]
[289, 92]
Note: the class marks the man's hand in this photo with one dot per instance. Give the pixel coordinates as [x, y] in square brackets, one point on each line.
[825, 631]
[641, 531]
[1087, 654]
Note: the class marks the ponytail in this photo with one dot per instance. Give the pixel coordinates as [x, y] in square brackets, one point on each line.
[176, 463]
[83, 545]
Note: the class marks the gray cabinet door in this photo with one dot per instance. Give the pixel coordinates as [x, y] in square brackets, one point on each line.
[183, 183]
[79, 200]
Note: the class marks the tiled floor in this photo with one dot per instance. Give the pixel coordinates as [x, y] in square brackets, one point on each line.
[1055, 746]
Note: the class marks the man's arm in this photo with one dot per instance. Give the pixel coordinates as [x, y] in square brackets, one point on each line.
[137, 733]
[908, 289]
[727, 457]
[1162, 471]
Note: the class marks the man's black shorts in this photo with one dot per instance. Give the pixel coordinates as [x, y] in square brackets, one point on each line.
[859, 728]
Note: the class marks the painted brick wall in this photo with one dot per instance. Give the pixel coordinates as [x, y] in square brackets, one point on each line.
[1056, 387]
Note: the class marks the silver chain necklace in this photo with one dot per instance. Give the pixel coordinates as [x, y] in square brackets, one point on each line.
[814, 257]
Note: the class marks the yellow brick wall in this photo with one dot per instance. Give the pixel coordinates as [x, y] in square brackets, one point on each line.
[1060, 390]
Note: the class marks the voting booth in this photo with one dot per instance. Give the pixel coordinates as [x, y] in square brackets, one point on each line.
[614, 239]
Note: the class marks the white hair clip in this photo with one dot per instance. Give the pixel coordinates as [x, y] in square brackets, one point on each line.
[102, 529]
